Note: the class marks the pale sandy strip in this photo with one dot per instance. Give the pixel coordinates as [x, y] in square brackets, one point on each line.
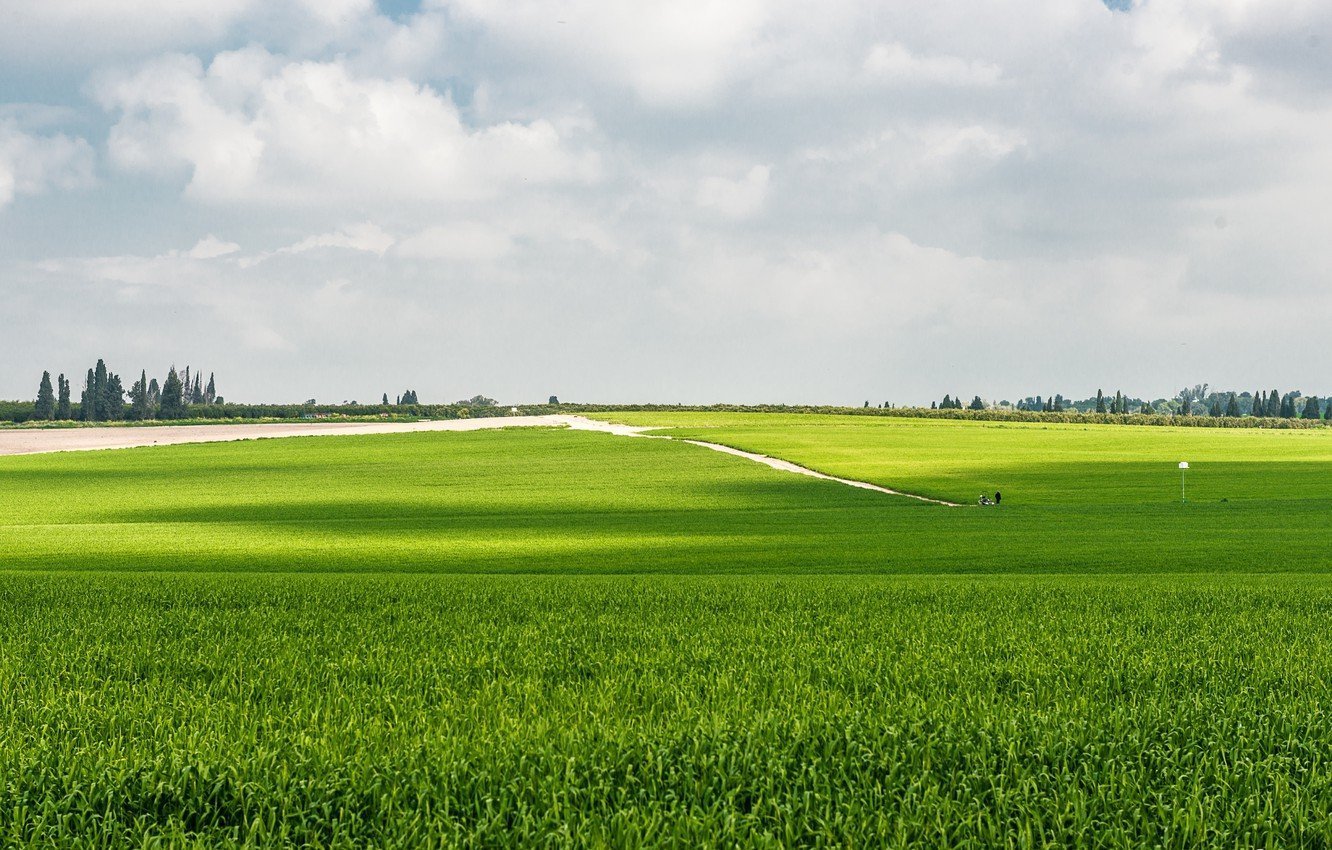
[45, 440]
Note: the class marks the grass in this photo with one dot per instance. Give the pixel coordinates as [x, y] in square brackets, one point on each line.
[538, 500]
[681, 711]
[1032, 463]
[536, 637]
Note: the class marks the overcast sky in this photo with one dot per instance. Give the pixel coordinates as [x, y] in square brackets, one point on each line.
[685, 201]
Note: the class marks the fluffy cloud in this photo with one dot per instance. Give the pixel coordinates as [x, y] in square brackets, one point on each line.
[666, 53]
[466, 241]
[31, 164]
[895, 64]
[251, 127]
[737, 198]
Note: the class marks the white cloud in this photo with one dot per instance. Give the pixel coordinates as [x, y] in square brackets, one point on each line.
[895, 64]
[463, 241]
[32, 164]
[667, 53]
[46, 30]
[366, 236]
[210, 247]
[735, 198]
[249, 128]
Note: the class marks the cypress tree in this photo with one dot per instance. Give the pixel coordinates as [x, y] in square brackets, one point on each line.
[1215, 410]
[87, 407]
[1287, 407]
[947, 403]
[210, 394]
[62, 405]
[45, 405]
[115, 398]
[154, 395]
[1233, 407]
[1121, 403]
[101, 408]
[173, 397]
[385, 402]
[1259, 404]
[1273, 407]
[1311, 410]
[140, 408]
[1100, 402]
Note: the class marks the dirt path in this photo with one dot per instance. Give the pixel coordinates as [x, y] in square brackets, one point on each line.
[46, 440]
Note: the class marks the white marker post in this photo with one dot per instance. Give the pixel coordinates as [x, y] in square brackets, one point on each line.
[1183, 465]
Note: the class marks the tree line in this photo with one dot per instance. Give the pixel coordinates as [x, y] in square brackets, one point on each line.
[104, 397]
[1198, 400]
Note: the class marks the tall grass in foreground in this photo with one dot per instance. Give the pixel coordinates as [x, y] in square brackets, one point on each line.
[669, 711]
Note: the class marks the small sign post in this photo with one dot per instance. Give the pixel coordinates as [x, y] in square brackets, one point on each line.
[1183, 465]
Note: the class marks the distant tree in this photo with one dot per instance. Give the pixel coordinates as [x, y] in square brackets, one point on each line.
[385, 399]
[154, 394]
[197, 394]
[409, 397]
[100, 399]
[867, 404]
[1147, 407]
[1327, 411]
[947, 403]
[1100, 402]
[140, 406]
[977, 404]
[554, 400]
[63, 410]
[1273, 407]
[88, 407]
[1185, 398]
[1311, 410]
[1215, 410]
[173, 397]
[210, 393]
[115, 397]
[1287, 410]
[933, 405]
[1233, 406]
[46, 403]
[1058, 403]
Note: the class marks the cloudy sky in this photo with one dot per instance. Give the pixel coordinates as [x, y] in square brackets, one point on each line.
[689, 201]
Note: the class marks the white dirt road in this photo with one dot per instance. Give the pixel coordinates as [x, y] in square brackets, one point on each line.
[45, 440]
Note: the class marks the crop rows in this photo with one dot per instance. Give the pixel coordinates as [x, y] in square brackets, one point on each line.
[568, 711]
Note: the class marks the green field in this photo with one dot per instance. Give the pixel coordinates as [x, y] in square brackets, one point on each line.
[537, 637]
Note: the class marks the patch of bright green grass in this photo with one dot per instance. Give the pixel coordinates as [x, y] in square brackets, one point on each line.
[1032, 463]
[556, 501]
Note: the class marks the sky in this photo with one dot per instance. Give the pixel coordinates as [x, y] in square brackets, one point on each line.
[691, 202]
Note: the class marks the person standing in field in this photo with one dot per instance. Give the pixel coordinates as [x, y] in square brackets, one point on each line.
[997, 496]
